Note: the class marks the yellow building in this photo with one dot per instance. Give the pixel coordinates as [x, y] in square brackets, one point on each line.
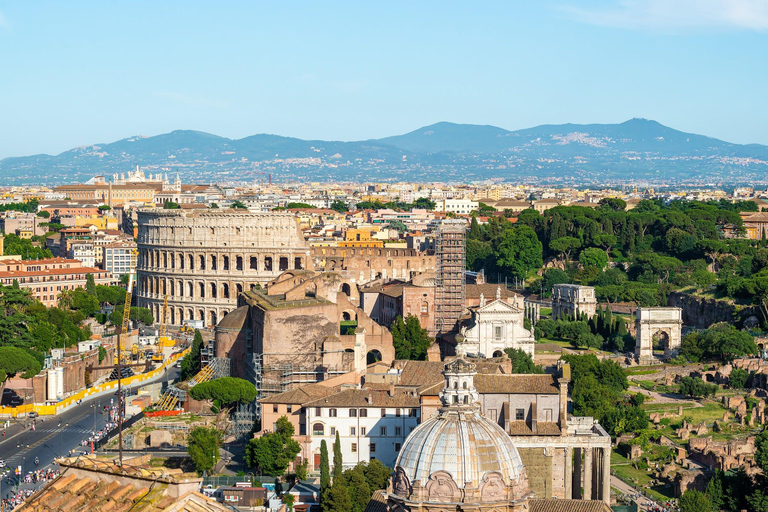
[360, 234]
[100, 222]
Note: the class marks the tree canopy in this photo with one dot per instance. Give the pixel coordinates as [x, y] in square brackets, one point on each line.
[225, 391]
[203, 447]
[410, 339]
[273, 452]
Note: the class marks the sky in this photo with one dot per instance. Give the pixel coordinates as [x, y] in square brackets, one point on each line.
[74, 73]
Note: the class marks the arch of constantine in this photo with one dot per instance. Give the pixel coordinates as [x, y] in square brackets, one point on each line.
[202, 259]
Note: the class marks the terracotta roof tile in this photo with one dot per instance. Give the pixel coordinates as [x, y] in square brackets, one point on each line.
[538, 505]
[543, 428]
[519, 384]
[360, 398]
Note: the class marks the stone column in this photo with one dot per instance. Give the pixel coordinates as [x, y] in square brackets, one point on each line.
[588, 484]
[568, 473]
[577, 474]
[607, 476]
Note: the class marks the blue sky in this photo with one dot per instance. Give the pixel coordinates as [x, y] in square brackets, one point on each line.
[76, 73]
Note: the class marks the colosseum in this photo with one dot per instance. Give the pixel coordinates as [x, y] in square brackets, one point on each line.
[202, 259]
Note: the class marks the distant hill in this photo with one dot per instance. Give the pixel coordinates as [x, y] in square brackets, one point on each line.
[637, 150]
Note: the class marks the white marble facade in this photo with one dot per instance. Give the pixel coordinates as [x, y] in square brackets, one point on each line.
[495, 326]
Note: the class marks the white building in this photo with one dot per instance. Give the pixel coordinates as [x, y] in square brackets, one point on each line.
[372, 424]
[457, 206]
[495, 326]
[120, 257]
[84, 252]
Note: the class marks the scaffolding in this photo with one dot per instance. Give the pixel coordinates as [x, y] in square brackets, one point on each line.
[449, 274]
[243, 420]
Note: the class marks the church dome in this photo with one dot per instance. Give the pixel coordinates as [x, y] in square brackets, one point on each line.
[458, 452]
[466, 444]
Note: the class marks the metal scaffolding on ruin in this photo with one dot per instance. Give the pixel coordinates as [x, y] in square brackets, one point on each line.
[243, 420]
[450, 252]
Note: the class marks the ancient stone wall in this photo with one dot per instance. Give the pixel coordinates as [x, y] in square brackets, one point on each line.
[701, 313]
[202, 259]
[365, 264]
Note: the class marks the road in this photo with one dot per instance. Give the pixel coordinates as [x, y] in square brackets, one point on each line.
[56, 435]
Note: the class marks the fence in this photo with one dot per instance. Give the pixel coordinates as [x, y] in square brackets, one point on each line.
[112, 433]
[152, 414]
[49, 410]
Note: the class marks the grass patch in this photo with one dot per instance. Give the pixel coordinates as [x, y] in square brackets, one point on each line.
[642, 372]
[545, 312]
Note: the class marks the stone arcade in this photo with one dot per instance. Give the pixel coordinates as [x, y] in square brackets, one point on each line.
[203, 259]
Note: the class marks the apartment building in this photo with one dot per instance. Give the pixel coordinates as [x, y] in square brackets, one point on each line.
[119, 257]
[47, 278]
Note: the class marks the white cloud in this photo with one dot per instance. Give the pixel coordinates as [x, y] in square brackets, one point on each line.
[671, 14]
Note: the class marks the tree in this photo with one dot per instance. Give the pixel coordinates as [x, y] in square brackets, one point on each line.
[425, 203]
[522, 362]
[613, 204]
[170, 205]
[340, 206]
[520, 251]
[190, 365]
[694, 501]
[288, 500]
[377, 475]
[102, 353]
[357, 485]
[15, 360]
[44, 214]
[203, 447]
[410, 339]
[238, 205]
[761, 450]
[225, 391]
[478, 252]
[214, 206]
[104, 207]
[398, 225]
[592, 257]
[564, 245]
[738, 378]
[336, 498]
[338, 464]
[695, 387]
[90, 285]
[297, 206]
[272, 453]
[325, 468]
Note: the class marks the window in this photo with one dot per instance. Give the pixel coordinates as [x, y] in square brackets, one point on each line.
[332, 413]
[318, 411]
[289, 408]
[352, 431]
[373, 448]
[363, 413]
[497, 332]
[520, 414]
[383, 413]
[412, 413]
[410, 429]
[397, 413]
[398, 431]
[274, 408]
[318, 429]
[547, 414]
[382, 431]
[353, 413]
[397, 447]
[333, 431]
[354, 448]
[363, 431]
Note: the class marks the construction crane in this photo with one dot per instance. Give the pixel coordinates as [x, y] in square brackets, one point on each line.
[164, 340]
[121, 337]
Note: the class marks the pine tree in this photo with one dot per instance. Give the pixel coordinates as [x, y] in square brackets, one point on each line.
[608, 323]
[338, 464]
[325, 469]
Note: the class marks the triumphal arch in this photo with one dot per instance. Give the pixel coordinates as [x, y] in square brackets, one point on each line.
[661, 325]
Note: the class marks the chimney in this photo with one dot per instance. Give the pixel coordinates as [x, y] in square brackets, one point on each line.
[391, 388]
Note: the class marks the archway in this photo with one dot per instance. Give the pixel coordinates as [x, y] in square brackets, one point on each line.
[310, 290]
[373, 356]
[660, 341]
[346, 289]
[498, 353]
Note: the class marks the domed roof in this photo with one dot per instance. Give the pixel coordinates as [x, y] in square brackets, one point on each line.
[459, 448]
[463, 442]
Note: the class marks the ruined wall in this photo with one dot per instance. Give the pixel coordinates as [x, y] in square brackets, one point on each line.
[701, 313]
[538, 466]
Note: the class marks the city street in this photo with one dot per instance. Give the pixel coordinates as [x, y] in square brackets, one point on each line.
[57, 435]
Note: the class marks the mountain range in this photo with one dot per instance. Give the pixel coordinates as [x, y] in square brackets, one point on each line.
[638, 150]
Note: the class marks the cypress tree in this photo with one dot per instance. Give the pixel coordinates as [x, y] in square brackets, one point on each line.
[608, 323]
[338, 465]
[325, 468]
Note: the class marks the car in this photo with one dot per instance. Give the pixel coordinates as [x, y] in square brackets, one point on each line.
[32, 414]
[2, 463]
